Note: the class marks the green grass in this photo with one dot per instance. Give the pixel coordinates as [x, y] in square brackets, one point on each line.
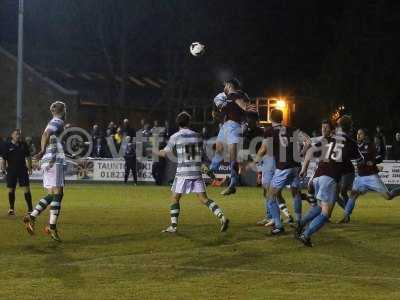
[113, 249]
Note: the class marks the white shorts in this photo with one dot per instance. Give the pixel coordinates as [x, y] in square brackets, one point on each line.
[187, 186]
[53, 177]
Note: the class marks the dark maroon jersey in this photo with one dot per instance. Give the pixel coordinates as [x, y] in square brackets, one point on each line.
[335, 153]
[281, 139]
[368, 165]
[231, 110]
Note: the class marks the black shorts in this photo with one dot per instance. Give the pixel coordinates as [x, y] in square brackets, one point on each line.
[20, 176]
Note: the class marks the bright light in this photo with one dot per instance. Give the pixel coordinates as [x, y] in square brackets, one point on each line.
[280, 104]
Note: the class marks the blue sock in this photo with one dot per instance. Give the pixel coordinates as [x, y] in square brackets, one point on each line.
[234, 174]
[268, 215]
[349, 206]
[316, 225]
[313, 212]
[297, 203]
[275, 212]
[216, 162]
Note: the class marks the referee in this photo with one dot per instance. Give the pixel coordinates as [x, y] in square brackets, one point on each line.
[17, 162]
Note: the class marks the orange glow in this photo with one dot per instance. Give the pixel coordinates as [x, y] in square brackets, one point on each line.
[280, 104]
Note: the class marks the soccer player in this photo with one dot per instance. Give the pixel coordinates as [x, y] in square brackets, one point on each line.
[17, 162]
[333, 150]
[282, 140]
[347, 179]
[188, 178]
[233, 109]
[267, 168]
[53, 164]
[367, 177]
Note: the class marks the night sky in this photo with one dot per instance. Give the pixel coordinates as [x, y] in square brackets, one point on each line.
[342, 52]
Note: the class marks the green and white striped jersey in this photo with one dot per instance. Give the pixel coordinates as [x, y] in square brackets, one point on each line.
[188, 145]
[54, 151]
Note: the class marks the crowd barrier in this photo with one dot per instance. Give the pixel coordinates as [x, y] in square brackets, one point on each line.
[114, 169]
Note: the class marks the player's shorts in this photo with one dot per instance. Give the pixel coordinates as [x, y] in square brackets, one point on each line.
[325, 188]
[267, 171]
[230, 133]
[363, 184]
[53, 177]
[187, 186]
[286, 177]
[14, 176]
[346, 182]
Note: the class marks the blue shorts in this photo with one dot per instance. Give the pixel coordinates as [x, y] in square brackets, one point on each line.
[285, 177]
[363, 184]
[230, 133]
[325, 188]
[267, 171]
[346, 182]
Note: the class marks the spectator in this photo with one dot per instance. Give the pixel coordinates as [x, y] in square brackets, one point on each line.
[396, 147]
[95, 132]
[167, 129]
[382, 139]
[99, 148]
[146, 134]
[142, 124]
[126, 129]
[118, 138]
[130, 162]
[109, 132]
[156, 130]
[112, 127]
[31, 145]
[158, 167]
[380, 149]
[125, 143]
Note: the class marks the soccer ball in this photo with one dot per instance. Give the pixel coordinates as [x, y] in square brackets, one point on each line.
[197, 49]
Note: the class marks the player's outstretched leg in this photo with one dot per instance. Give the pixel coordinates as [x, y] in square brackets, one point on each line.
[29, 219]
[312, 213]
[348, 209]
[55, 207]
[174, 211]
[234, 179]
[297, 204]
[316, 224]
[276, 215]
[216, 161]
[216, 210]
[267, 221]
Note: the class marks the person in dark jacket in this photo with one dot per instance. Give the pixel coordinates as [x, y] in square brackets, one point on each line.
[99, 148]
[396, 147]
[130, 162]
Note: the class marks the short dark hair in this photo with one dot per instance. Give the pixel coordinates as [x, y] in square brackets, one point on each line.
[16, 130]
[365, 130]
[234, 82]
[346, 123]
[329, 122]
[276, 116]
[183, 119]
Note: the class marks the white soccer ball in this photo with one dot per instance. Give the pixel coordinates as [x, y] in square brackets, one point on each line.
[197, 49]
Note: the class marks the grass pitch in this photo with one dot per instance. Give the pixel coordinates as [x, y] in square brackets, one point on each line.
[113, 249]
